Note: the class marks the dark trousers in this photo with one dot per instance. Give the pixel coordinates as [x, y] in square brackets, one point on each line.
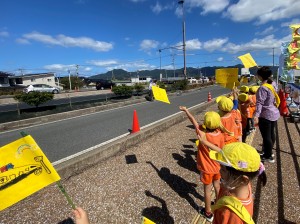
[267, 130]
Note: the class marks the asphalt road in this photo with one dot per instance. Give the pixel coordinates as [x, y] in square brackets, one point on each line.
[66, 137]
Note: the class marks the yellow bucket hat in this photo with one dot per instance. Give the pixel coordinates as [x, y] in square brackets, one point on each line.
[253, 89]
[225, 104]
[244, 89]
[212, 120]
[238, 155]
[219, 98]
[243, 97]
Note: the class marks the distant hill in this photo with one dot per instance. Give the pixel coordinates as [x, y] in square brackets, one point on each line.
[121, 74]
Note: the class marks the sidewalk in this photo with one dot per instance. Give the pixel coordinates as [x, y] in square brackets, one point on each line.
[163, 183]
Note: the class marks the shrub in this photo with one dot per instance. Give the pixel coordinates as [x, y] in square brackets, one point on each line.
[139, 88]
[123, 90]
[34, 98]
[180, 85]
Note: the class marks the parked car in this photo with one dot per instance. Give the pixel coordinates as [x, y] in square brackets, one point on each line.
[41, 88]
[104, 84]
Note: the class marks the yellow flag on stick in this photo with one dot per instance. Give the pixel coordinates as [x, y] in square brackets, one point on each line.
[295, 31]
[160, 94]
[247, 60]
[24, 170]
[147, 221]
[227, 77]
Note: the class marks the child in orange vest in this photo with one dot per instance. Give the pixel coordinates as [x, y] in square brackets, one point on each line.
[252, 106]
[230, 120]
[209, 169]
[244, 107]
[240, 164]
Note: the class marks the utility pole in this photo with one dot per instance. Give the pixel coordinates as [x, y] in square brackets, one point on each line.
[70, 79]
[183, 37]
[160, 75]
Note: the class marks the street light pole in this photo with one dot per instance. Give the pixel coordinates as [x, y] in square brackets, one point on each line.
[183, 34]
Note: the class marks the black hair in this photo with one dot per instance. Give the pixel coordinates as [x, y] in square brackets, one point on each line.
[265, 73]
[236, 173]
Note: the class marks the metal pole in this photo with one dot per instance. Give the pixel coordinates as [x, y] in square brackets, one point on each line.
[70, 80]
[183, 34]
[160, 75]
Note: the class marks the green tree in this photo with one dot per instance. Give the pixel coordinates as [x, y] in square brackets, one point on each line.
[34, 98]
[75, 82]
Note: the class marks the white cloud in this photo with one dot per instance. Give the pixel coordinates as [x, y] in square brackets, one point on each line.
[193, 44]
[263, 11]
[65, 41]
[4, 34]
[157, 8]
[137, 0]
[207, 6]
[134, 66]
[60, 67]
[214, 44]
[287, 24]
[220, 59]
[267, 31]
[147, 45]
[103, 63]
[267, 42]
[22, 41]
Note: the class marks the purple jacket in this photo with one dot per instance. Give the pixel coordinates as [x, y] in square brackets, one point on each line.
[265, 104]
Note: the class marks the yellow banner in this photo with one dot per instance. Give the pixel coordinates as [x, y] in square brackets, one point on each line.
[24, 170]
[145, 220]
[295, 31]
[160, 94]
[227, 77]
[247, 60]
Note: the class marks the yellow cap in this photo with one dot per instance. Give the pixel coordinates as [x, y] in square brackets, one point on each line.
[219, 98]
[238, 155]
[244, 89]
[212, 120]
[253, 89]
[225, 104]
[243, 97]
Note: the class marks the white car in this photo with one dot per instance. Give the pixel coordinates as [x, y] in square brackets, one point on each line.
[41, 88]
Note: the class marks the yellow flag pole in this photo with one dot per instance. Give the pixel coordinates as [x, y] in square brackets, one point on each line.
[62, 189]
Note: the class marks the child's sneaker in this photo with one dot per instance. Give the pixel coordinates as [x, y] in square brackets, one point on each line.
[208, 216]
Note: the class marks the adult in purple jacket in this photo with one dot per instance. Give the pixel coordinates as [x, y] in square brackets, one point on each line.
[266, 114]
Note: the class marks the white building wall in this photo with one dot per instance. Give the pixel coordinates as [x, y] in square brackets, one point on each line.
[48, 79]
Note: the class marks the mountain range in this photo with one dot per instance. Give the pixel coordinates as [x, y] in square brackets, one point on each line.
[120, 74]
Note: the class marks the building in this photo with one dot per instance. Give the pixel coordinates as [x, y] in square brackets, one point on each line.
[30, 79]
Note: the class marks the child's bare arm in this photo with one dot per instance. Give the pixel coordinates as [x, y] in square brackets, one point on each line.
[203, 141]
[190, 116]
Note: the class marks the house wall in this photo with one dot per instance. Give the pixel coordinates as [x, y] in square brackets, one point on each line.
[39, 79]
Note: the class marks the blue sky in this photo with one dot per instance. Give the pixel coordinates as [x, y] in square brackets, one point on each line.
[100, 35]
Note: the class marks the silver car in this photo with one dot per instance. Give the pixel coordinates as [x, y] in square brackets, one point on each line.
[41, 88]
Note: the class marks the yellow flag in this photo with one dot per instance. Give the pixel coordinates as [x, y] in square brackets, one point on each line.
[227, 77]
[295, 31]
[247, 60]
[145, 220]
[160, 94]
[24, 170]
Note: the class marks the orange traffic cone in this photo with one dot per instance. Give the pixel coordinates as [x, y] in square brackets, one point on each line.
[135, 123]
[209, 97]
